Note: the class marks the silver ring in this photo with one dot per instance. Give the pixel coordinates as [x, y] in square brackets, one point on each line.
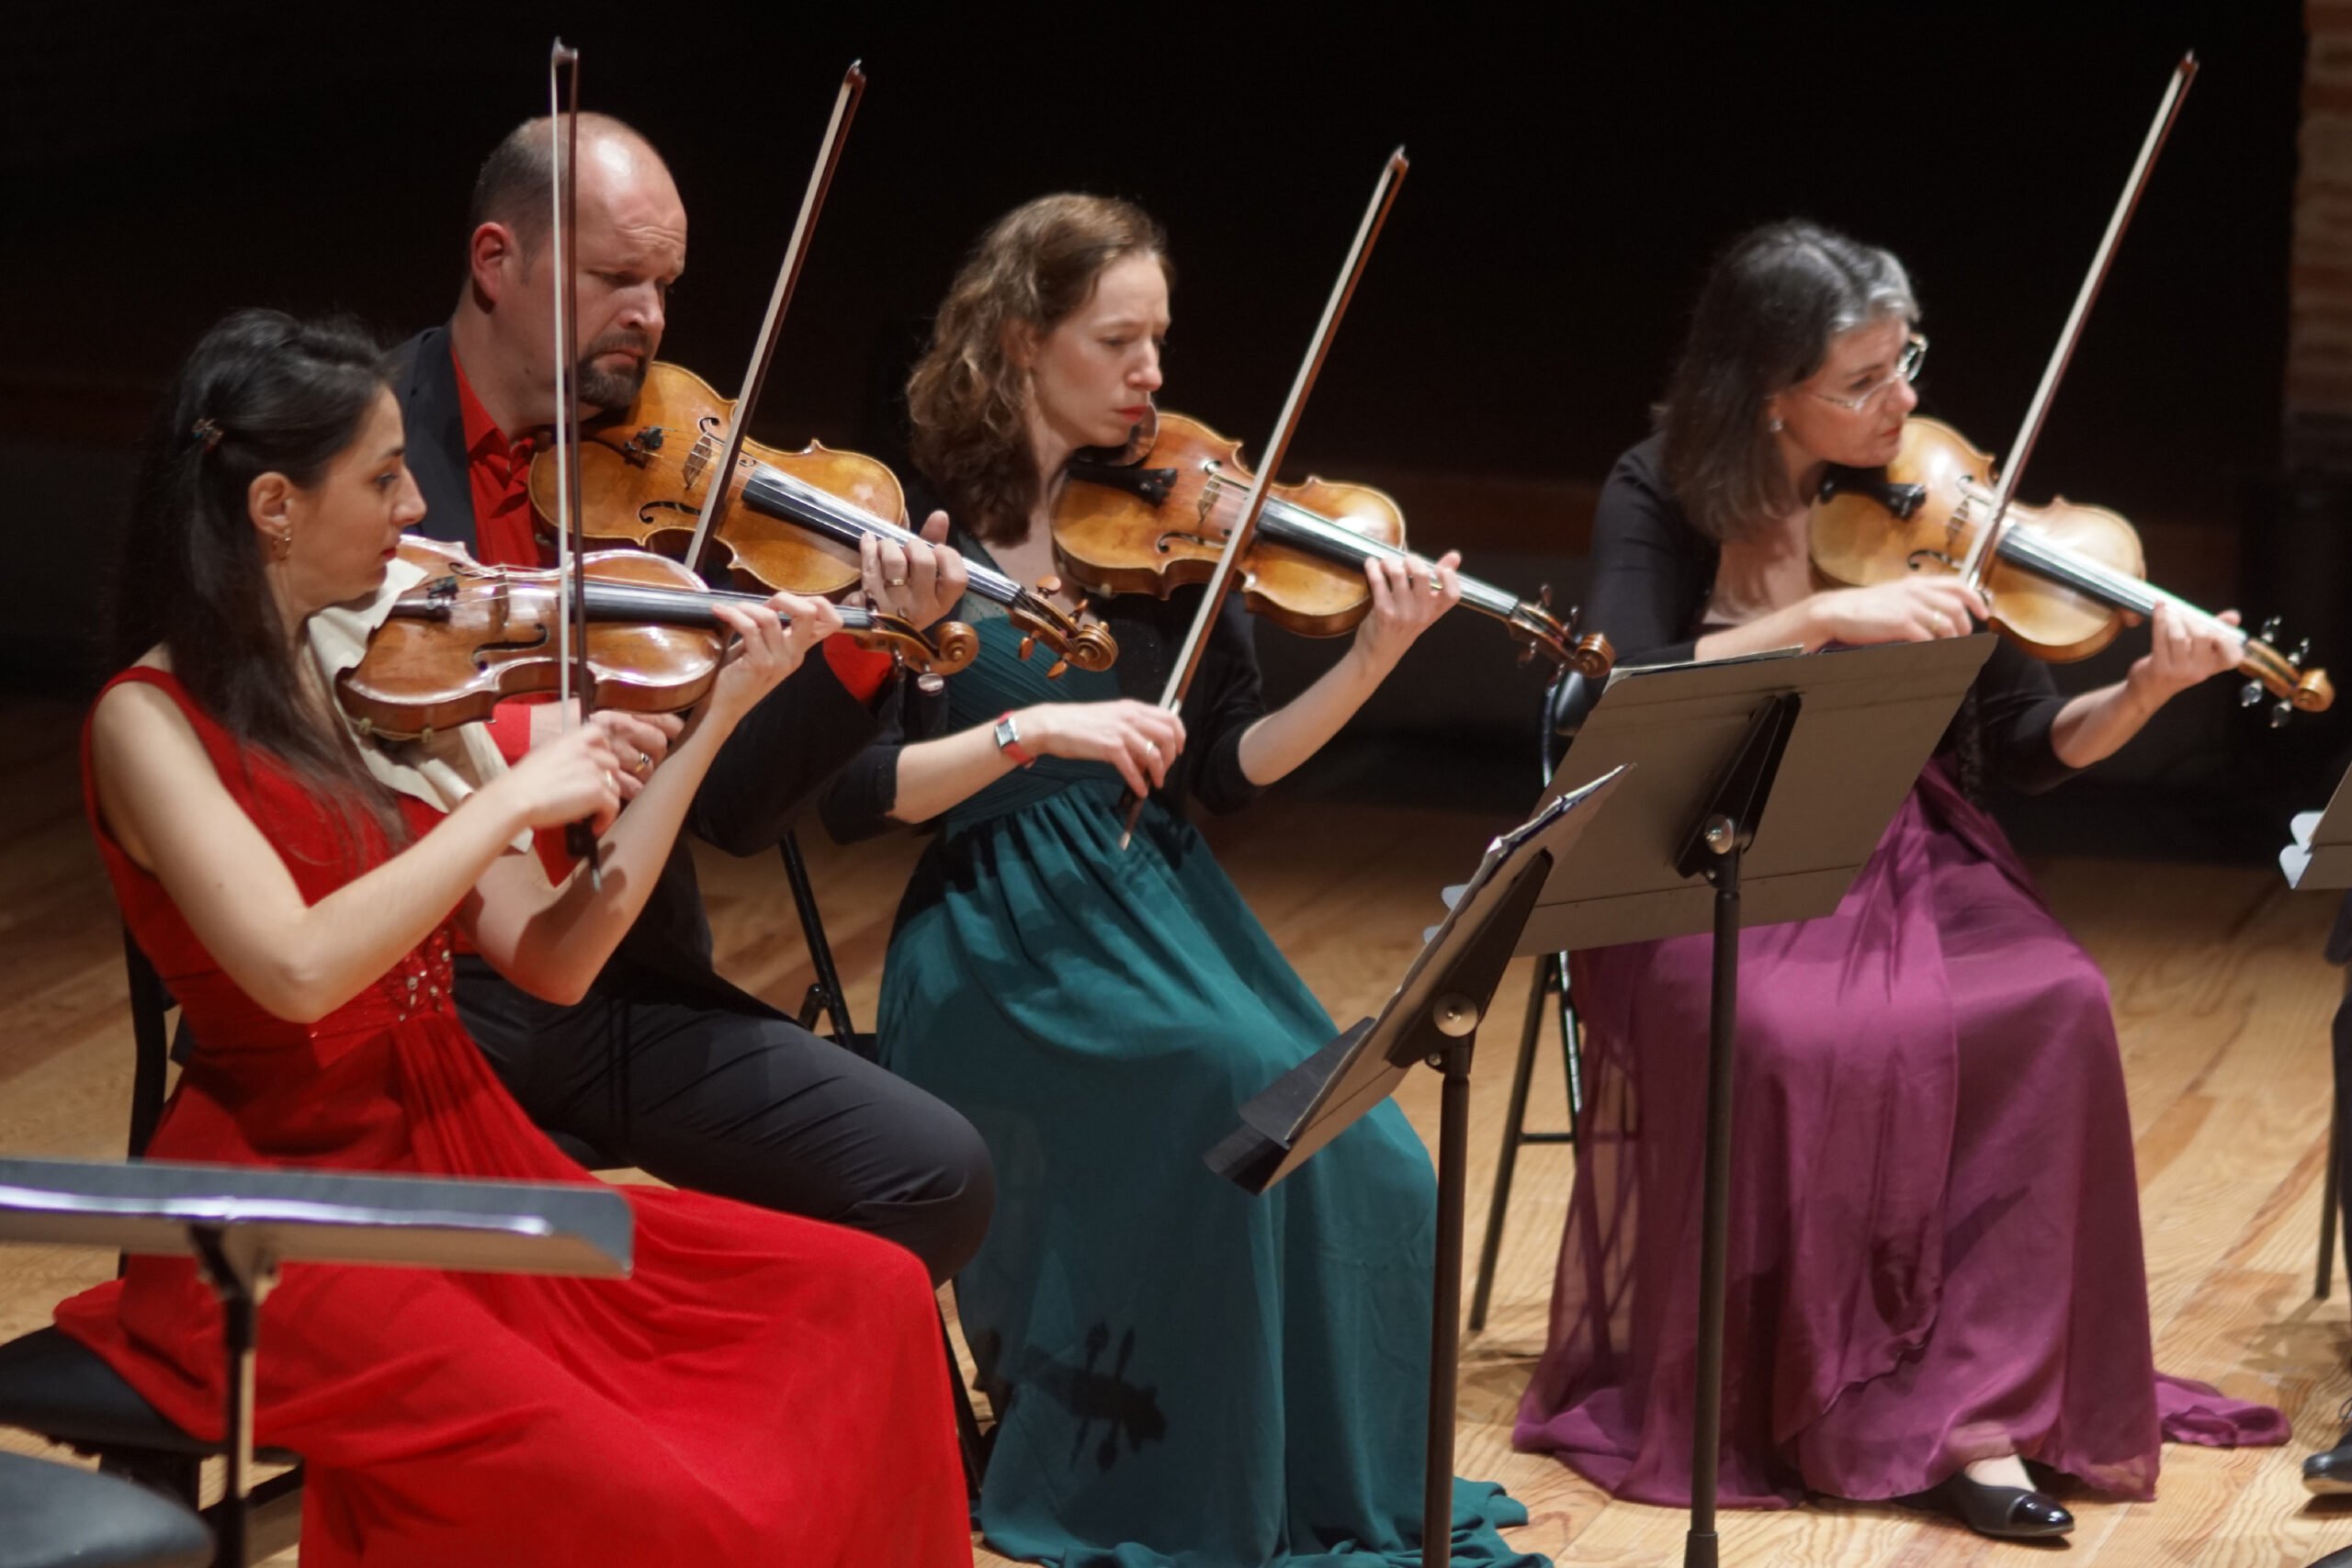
[1152, 747]
[645, 764]
[1437, 584]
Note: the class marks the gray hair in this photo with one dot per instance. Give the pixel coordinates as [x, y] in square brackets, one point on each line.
[1764, 322]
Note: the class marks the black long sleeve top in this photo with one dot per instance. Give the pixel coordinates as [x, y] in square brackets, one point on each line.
[1653, 574]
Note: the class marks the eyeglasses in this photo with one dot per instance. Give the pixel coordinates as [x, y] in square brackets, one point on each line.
[1906, 369]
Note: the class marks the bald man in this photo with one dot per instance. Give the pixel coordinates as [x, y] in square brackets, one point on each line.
[665, 1065]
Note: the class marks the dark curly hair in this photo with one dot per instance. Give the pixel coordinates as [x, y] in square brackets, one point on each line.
[966, 397]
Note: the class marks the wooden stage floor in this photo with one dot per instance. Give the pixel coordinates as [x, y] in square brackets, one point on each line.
[2220, 992]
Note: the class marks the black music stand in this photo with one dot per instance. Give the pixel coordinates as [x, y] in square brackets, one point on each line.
[2317, 857]
[2318, 854]
[1842, 736]
[241, 1224]
[1433, 1017]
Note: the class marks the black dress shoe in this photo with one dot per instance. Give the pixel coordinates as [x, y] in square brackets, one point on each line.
[2329, 1473]
[2007, 1511]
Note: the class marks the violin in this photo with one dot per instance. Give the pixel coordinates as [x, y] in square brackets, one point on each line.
[2062, 580]
[793, 521]
[468, 636]
[1155, 516]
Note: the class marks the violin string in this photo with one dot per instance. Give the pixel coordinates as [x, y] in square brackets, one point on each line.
[847, 524]
[2096, 579]
[1280, 517]
[2072, 568]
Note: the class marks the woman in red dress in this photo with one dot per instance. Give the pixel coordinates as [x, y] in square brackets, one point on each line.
[764, 1389]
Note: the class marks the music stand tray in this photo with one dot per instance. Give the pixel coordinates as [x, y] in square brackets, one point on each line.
[243, 1222]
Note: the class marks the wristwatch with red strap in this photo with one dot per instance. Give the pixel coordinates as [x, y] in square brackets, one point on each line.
[1008, 740]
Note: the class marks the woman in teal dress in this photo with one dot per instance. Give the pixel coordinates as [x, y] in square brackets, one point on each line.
[1184, 1374]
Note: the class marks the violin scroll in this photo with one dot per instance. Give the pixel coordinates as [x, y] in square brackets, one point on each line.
[1087, 644]
[1539, 631]
[2282, 676]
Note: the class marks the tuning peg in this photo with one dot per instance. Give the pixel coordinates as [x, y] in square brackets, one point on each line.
[2269, 630]
[1526, 654]
[1543, 595]
[931, 683]
[1059, 665]
[2249, 694]
[2303, 651]
[2280, 712]
[1028, 644]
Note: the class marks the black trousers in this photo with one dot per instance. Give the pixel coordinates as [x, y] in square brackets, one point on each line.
[739, 1103]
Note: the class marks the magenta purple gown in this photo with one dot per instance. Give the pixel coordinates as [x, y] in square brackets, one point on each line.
[1935, 1248]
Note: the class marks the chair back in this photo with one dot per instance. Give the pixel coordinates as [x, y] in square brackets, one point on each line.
[151, 1007]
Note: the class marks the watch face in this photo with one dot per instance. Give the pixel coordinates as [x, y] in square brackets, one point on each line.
[1005, 734]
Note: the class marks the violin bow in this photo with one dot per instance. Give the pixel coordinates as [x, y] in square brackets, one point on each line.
[1982, 553]
[1277, 448]
[574, 678]
[787, 277]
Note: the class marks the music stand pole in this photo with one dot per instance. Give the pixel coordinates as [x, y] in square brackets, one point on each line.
[241, 1279]
[1447, 1289]
[1726, 829]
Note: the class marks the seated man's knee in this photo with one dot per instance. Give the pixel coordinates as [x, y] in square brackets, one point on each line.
[958, 1199]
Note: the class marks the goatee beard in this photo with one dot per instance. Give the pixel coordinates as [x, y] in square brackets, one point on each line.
[610, 391]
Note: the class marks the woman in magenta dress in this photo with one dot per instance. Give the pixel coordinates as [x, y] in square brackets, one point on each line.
[1935, 1267]
[764, 1389]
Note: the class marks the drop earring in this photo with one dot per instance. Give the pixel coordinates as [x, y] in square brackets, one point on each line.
[281, 544]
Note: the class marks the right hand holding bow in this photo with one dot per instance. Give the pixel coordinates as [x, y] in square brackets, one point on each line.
[574, 777]
[1919, 608]
[1139, 740]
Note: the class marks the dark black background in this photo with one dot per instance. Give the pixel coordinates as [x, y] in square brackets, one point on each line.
[1573, 171]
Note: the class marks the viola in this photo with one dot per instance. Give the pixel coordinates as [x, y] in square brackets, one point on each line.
[793, 521]
[469, 636]
[1156, 517]
[2062, 580]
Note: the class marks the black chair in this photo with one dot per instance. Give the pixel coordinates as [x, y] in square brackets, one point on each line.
[825, 996]
[1565, 705]
[52, 1386]
[60, 1516]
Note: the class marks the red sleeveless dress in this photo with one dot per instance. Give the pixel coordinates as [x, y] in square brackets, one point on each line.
[763, 1390]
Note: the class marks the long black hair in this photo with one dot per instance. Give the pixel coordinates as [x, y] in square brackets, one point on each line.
[1763, 323]
[262, 392]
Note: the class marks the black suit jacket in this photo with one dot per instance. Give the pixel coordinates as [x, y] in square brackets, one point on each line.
[779, 757]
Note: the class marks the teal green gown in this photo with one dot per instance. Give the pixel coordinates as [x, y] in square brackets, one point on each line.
[1184, 1374]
